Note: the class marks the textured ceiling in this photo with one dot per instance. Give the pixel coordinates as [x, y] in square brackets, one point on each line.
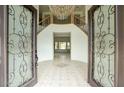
[45, 8]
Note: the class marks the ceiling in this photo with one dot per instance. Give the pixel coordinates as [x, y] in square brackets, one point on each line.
[79, 7]
[45, 8]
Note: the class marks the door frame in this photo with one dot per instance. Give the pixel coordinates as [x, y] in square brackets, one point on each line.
[91, 80]
[120, 46]
[2, 66]
[33, 80]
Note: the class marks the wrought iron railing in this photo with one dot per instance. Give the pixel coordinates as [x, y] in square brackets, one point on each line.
[77, 21]
[43, 24]
[81, 24]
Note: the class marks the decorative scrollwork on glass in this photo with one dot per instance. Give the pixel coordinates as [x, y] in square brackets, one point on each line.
[19, 45]
[104, 46]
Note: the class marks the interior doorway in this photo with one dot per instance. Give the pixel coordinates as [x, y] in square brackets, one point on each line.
[62, 64]
[62, 46]
[62, 71]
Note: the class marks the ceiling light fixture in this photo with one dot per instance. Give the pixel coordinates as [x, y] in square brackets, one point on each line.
[61, 11]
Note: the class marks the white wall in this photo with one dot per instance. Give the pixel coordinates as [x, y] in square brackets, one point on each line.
[79, 42]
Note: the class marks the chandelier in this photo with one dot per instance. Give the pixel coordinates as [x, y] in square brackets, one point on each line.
[61, 11]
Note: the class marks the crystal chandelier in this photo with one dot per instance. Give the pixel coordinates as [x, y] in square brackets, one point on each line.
[61, 11]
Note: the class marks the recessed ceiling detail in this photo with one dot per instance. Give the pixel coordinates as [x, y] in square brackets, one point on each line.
[62, 11]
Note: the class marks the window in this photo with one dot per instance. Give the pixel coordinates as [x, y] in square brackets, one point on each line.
[62, 45]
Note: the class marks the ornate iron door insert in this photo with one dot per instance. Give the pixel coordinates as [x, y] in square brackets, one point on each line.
[102, 45]
[21, 45]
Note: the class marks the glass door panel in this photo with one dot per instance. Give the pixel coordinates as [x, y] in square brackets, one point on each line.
[20, 45]
[104, 45]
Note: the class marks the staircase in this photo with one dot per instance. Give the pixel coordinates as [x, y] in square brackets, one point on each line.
[79, 22]
[43, 24]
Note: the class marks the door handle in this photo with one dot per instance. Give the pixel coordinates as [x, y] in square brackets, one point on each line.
[36, 58]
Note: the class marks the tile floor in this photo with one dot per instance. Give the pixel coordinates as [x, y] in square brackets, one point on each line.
[62, 73]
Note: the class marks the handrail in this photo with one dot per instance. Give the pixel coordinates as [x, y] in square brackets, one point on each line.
[77, 21]
[81, 24]
[44, 23]
[80, 19]
[44, 19]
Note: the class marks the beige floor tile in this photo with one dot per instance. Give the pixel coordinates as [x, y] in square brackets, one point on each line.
[62, 73]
